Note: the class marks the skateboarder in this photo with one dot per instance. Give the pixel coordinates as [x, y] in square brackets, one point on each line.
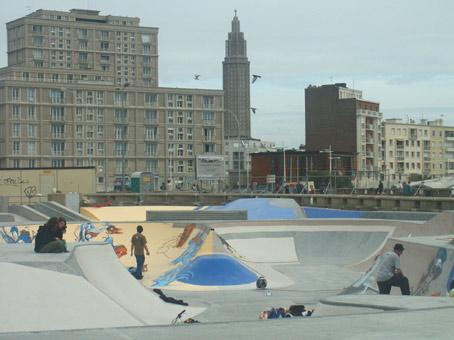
[138, 245]
[389, 273]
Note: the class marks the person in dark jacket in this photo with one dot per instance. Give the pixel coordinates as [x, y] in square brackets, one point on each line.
[47, 240]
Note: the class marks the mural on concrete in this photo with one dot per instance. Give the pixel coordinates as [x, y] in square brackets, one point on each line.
[17, 234]
[88, 231]
[183, 260]
[434, 270]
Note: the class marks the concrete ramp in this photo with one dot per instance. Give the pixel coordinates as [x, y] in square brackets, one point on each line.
[101, 268]
[340, 245]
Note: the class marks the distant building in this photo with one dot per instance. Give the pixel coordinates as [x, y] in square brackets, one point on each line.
[81, 89]
[238, 159]
[236, 79]
[424, 149]
[338, 116]
[299, 166]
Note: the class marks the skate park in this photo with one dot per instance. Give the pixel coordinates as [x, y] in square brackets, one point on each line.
[213, 265]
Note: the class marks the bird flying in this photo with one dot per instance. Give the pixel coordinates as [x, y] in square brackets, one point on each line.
[255, 77]
[196, 76]
[253, 109]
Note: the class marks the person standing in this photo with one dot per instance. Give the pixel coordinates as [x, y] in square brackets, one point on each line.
[389, 273]
[138, 245]
[380, 188]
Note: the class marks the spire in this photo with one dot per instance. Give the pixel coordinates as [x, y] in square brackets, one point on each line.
[235, 23]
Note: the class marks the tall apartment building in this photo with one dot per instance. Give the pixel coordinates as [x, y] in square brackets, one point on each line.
[236, 80]
[424, 148]
[82, 89]
[338, 116]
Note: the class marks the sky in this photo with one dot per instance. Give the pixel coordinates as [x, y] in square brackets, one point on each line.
[399, 53]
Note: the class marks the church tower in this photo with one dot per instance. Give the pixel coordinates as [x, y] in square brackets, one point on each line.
[236, 84]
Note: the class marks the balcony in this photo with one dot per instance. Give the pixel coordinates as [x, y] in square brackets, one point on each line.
[208, 122]
[58, 135]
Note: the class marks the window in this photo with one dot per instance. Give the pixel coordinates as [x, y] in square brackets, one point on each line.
[208, 117]
[83, 56]
[15, 114]
[25, 76]
[121, 115]
[57, 113]
[170, 100]
[170, 133]
[120, 98]
[180, 150]
[37, 41]
[79, 131]
[146, 38]
[121, 148]
[31, 148]
[180, 167]
[58, 148]
[16, 130]
[104, 46]
[150, 99]
[57, 130]
[56, 96]
[189, 117]
[189, 101]
[79, 148]
[151, 133]
[179, 117]
[16, 94]
[189, 133]
[31, 95]
[90, 149]
[208, 134]
[83, 44]
[170, 117]
[40, 77]
[151, 165]
[31, 113]
[100, 131]
[16, 163]
[189, 149]
[190, 165]
[58, 163]
[31, 130]
[104, 35]
[208, 101]
[208, 148]
[121, 132]
[32, 163]
[151, 149]
[37, 29]
[151, 117]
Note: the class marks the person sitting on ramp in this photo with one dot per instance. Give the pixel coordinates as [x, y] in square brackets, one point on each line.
[389, 273]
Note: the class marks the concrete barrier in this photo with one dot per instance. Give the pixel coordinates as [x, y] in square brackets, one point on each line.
[361, 202]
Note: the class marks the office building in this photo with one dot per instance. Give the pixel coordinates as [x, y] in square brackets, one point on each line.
[81, 89]
[339, 117]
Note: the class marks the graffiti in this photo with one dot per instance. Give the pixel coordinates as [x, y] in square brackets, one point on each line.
[88, 231]
[433, 272]
[183, 260]
[30, 191]
[14, 181]
[16, 236]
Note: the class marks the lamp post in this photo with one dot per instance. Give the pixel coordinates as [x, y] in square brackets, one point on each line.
[239, 142]
[329, 151]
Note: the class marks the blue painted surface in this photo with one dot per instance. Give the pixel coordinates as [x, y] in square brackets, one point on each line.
[216, 270]
[265, 208]
[332, 213]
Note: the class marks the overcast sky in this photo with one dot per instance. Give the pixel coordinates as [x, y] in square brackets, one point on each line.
[399, 53]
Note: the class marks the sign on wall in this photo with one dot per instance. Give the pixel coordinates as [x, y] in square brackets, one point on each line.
[210, 167]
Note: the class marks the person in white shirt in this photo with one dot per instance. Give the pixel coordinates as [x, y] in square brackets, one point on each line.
[389, 273]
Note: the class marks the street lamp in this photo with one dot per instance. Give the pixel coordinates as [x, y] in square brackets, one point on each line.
[329, 151]
[239, 142]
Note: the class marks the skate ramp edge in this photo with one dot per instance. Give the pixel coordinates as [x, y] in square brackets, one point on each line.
[389, 302]
[100, 266]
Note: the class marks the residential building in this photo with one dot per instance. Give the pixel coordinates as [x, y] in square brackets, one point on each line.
[238, 159]
[236, 80]
[413, 150]
[81, 89]
[338, 117]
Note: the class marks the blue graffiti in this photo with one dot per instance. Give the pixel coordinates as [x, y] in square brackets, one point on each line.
[183, 260]
[15, 235]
